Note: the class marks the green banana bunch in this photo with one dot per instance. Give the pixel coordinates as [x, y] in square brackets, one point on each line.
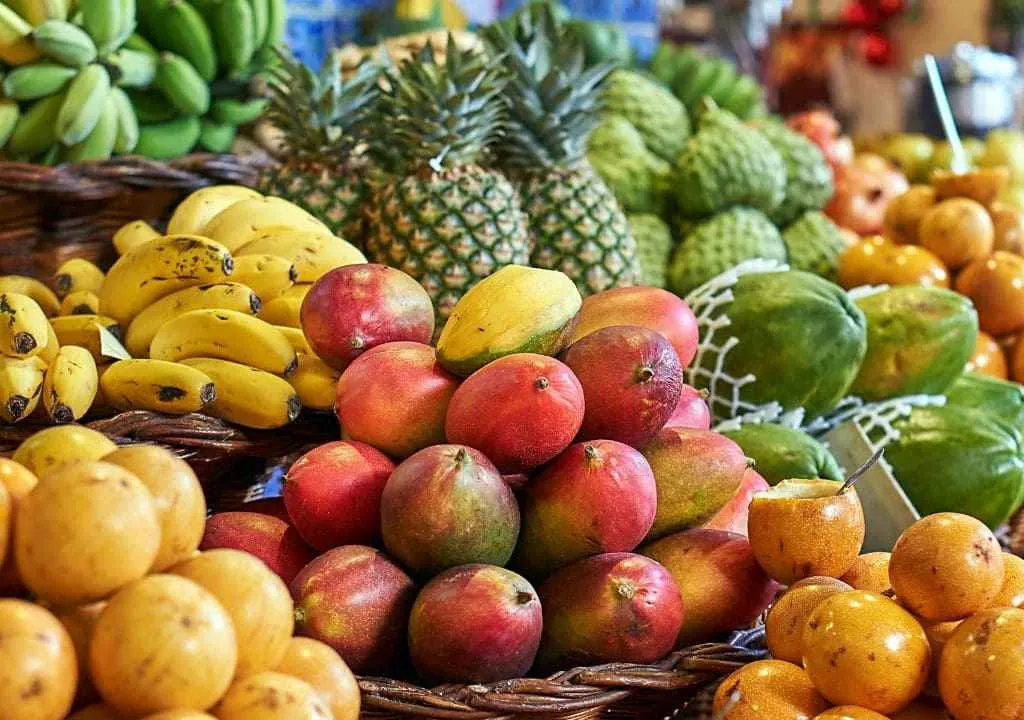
[64, 42]
[99, 143]
[132, 68]
[151, 107]
[83, 104]
[36, 129]
[103, 20]
[36, 12]
[216, 137]
[127, 122]
[178, 27]
[10, 113]
[234, 31]
[237, 112]
[171, 139]
[182, 85]
[31, 82]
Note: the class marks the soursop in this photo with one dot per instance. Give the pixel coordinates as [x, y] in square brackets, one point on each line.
[658, 116]
[808, 176]
[727, 239]
[814, 244]
[653, 247]
[638, 177]
[728, 163]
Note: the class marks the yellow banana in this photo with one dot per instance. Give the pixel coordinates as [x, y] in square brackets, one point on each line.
[43, 295]
[70, 386]
[194, 212]
[98, 334]
[313, 253]
[267, 275]
[81, 302]
[315, 381]
[21, 385]
[226, 335]
[246, 220]
[285, 308]
[132, 235]
[248, 396]
[77, 274]
[218, 296]
[49, 353]
[101, 404]
[23, 326]
[156, 385]
[155, 269]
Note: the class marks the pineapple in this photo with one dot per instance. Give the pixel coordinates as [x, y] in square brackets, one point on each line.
[437, 212]
[576, 224]
[322, 119]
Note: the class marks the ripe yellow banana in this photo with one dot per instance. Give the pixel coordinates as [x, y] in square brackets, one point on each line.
[267, 275]
[70, 386]
[77, 274]
[155, 269]
[218, 296]
[313, 253]
[194, 212]
[23, 326]
[158, 386]
[245, 221]
[315, 381]
[132, 235]
[21, 385]
[226, 335]
[43, 295]
[285, 308]
[98, 334]
[248, 396]
[81, 302]
[49, 353]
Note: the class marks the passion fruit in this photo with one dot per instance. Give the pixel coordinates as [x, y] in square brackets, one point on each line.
[912, 265]
[272, 696]
[768, 689]
[870, 572]
[938, 634]
[982, 665]
[921, 710]
[996, 286]
[988, 357]
[804, 528]
[861, 262]
[958, 231]
[903, 216]
[1009, 225]
[37, 663]
[983, 185]
[784, 626]
[946, 566]
[850, 712]
[320, 665]
[862, 649]
[1011, 594]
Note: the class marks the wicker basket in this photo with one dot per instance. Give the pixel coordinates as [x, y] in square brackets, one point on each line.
[50, 214]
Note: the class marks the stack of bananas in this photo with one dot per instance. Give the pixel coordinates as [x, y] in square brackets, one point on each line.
[205, 318]
[86, 79]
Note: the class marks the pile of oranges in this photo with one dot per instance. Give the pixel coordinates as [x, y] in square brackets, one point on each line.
[128, 618]
[953, 233]
[933, 630]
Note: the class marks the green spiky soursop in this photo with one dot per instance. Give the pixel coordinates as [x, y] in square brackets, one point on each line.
[814, 244]
[728, 163]
[653, 110]
[727, 239]
[638, 177]
[653, 247]
[808, 176]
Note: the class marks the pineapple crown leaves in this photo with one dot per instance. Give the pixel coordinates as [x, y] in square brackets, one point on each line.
[322, 114]
[553, 98]
[439, 115]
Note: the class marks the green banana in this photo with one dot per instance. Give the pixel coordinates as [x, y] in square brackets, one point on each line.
[132, 68]
[151, 107]
[64, 42]
[234, 32]
[128, 11]
[36, 130]
[277, 17]
[127, 122]
[182, 85]
[99, 144]
[83, 104]
[31, 82]
[260, 20]
[9, 115]
[184, 31]
[237, 112]
[217, 137]
[102, 19]
[140, 44]
[49, 158]
[170, 139]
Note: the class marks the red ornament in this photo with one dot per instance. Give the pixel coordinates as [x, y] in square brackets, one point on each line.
[877, 49]
[861, 15]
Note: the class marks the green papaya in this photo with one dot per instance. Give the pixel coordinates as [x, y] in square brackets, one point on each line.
[782, 453]
[799, 335]
[958, 459]
[919, 340]
[999, 398]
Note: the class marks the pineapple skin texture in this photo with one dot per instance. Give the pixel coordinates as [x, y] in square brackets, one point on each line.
[577, 226]
[447, 229]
